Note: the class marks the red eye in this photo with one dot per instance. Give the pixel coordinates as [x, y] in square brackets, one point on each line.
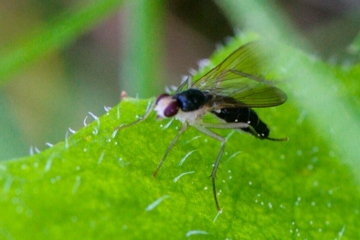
[171, 110]
[160, 97]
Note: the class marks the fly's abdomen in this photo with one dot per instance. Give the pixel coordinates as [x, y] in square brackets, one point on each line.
[245, 115]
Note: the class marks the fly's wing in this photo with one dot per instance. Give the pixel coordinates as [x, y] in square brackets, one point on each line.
[247, 95]
[234, 90]
[239, 77]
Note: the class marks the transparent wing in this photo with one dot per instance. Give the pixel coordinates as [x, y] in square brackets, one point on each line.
[239, 77]
[246, 59]
[246, 91]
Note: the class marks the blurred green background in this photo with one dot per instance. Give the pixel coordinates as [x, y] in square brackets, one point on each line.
[60, 60]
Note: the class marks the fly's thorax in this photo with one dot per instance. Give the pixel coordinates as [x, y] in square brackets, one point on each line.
[191, 99]
[166, 106]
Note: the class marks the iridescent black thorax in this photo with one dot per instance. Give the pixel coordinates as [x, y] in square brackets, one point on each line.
[191, 99]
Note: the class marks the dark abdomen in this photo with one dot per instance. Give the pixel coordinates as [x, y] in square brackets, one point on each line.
[245, 115]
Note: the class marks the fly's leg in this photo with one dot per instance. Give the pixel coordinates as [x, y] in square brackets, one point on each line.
[187, 83]
[213, 173]
[142, 118]
[225, 125]
[241, 125]
[206, 131]
[183, 128]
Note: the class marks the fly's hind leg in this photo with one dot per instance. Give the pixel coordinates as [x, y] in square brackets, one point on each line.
[206, 131]
[226, 125]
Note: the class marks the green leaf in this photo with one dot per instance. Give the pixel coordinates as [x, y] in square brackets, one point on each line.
[97, 184]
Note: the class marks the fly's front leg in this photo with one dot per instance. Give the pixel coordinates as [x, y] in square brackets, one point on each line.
[206, 131]
[142, 118]
[183, 128]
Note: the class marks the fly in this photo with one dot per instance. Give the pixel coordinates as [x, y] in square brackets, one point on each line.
[229, 92]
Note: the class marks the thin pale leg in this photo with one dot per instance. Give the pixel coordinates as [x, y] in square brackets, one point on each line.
[187, 83]
[225, 125]
[240, 125]
[216, 164]
[183, 128]
[145, 116]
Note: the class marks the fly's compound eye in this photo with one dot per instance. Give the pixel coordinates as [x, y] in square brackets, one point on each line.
[166, 106]
[161, 97]
[171, 110]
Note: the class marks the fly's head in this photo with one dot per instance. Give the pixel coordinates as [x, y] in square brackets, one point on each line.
[166, 106]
